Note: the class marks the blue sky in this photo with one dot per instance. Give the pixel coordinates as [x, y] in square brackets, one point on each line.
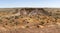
[29, 3]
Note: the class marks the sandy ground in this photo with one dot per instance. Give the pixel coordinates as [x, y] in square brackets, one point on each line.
[22, 22]
[52, 29]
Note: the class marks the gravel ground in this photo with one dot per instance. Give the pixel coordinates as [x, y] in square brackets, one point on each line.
[52, 29]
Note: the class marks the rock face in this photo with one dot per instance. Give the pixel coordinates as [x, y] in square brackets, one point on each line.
[29, 20]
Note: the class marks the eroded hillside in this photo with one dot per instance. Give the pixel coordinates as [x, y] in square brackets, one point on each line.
[23, 18]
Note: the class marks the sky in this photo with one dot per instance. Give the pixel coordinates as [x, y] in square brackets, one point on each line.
[29, 3]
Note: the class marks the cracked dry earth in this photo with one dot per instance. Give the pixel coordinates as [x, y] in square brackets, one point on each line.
[30, 20]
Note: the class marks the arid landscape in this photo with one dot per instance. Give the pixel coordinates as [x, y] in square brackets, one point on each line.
[29, 20]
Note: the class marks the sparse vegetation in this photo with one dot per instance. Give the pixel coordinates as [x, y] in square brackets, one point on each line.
[37, 17]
